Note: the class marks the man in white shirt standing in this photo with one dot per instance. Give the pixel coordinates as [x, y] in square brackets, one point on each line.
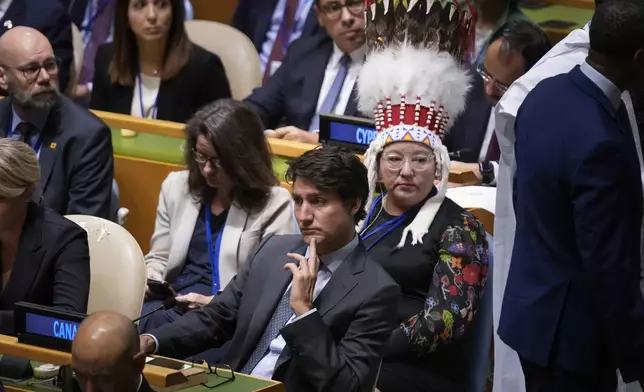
[572, 51]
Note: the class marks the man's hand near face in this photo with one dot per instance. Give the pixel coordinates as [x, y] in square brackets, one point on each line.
[296, 134]
[304, 278]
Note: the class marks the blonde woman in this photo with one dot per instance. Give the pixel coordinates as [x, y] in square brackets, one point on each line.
[44, 257]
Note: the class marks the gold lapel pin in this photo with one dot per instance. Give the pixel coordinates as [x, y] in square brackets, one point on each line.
[52, 146]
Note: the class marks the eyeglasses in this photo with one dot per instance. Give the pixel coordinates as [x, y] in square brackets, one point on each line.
[487, 78]
[220, 371]
[203, 159]
[334, 10]
[418, 162]
[31, 71]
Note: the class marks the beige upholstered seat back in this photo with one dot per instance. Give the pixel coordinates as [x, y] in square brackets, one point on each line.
[236, 51]
[117, 267]
[77, 65]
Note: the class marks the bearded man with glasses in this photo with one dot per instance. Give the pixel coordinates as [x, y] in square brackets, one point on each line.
[317, 75]
[74, 147]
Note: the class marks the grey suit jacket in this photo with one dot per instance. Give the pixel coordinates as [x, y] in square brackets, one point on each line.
[177, 215]
[337, 348]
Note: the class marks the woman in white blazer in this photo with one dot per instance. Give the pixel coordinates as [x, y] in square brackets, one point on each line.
[211, 217]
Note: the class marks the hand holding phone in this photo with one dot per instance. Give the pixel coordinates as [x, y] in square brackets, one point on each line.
[160, 290]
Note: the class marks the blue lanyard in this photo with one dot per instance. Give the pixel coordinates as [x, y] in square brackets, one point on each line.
[153, 109]
[388, 226]
[36, 146]
[213, 252]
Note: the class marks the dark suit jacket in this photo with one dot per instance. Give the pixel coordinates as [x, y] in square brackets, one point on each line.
[201, 81]
[572, 299]
[290, 96]
[465, 139]
[145, 386]
[51, 267]
[76, 9]
[51, 19]
[253, 18]
[354, 320]
[76, 159]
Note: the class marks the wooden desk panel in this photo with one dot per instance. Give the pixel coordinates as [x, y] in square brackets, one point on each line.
[217, 10]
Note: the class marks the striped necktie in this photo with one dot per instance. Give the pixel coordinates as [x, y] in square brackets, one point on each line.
[332, 96]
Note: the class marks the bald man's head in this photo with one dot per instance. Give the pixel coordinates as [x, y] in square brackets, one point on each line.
[106, 355]
[28, 68]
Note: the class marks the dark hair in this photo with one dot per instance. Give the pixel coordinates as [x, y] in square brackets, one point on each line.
[124, 65]
[237, 135]
[524, 37]
[331, 168]
[617, 28]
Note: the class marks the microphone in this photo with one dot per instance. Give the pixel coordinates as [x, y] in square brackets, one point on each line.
[167, 304]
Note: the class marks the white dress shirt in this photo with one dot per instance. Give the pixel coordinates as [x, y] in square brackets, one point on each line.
[332, 68]
[4, 6]
[571, 51]
[145, 97]
[266, 366]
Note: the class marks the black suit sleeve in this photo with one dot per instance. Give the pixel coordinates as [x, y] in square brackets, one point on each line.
[90, 190]
[211, 326]
[99, 99]
[269, 100]
[57, 27]
[348, 365]
[72, 273]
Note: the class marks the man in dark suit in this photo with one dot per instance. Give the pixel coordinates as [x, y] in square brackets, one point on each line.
[74, 146]
[314, 323]
[572, 308]
[106, 356]
[514, 48]
[318, 75]
[48, 17]
[273, 24]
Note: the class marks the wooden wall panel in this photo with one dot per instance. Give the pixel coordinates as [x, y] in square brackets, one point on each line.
[217, 10]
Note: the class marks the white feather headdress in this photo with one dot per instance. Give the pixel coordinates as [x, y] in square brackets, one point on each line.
[414, 83]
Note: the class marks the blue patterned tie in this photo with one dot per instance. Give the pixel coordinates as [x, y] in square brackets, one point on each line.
[282, 314]
[334, 93]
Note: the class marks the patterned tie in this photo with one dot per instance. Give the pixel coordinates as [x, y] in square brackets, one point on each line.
[282, 314]
[100, 25]
[25, 130]
[286, 28]
[334, 93]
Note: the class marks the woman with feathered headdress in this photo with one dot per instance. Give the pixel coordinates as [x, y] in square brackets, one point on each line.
[414, 83]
